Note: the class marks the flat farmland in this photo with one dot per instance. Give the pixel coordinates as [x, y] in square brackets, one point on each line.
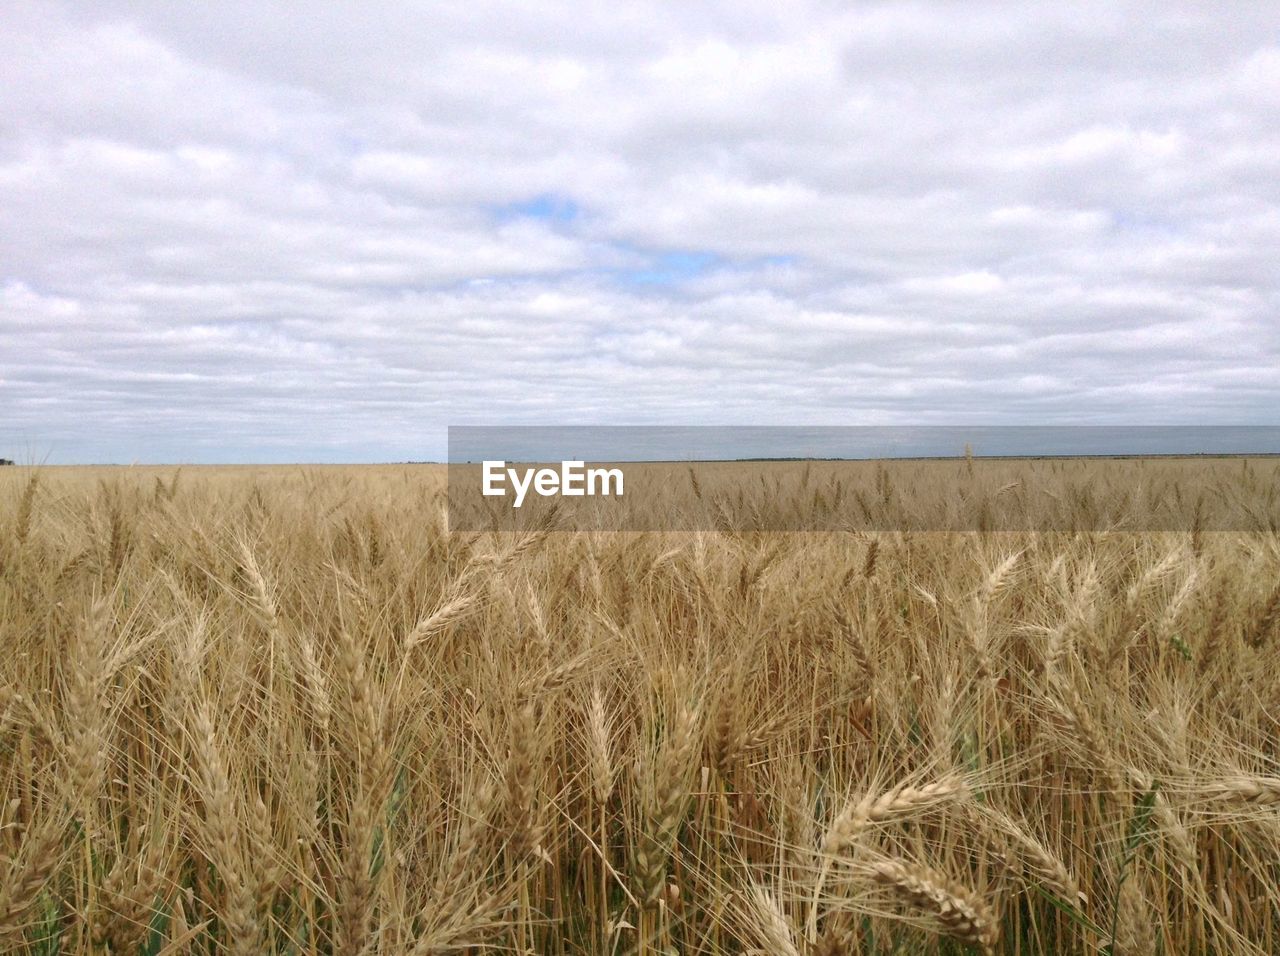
[998, 707]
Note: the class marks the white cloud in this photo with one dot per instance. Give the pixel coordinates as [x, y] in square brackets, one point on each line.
[982, 282]
[230, 232]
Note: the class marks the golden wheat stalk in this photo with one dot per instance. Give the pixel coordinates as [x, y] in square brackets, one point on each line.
[223, 836]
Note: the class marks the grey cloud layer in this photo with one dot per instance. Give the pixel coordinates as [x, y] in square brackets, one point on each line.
[240, 232]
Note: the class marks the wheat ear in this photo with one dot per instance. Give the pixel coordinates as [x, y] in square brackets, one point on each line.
[27, 874]
[962, 914]
[856, 817]
[222, 834]
[1255, 791]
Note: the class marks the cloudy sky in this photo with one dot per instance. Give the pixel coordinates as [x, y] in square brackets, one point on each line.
[324, 232]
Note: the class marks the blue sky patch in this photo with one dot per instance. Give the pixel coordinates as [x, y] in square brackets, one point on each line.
[671, 267]
[547, 207]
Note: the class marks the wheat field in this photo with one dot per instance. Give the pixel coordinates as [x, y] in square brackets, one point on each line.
[287, 710]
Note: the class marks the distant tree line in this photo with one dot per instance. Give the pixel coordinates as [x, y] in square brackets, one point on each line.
[5, 461]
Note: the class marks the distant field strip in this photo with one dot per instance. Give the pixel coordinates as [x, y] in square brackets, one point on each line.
[1229, 493]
